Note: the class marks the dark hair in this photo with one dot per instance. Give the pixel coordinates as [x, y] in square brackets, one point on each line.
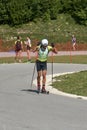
[39, 43]
[18, 37]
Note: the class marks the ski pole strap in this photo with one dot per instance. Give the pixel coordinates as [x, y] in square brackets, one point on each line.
[52, 44]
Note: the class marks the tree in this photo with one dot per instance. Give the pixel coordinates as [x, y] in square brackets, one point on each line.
[3, 13]
[77, 9]
[19, 12]
[15, 12]
[80, 12]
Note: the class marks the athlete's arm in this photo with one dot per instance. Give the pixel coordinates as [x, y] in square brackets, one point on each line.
[35, 49]
[53, 49]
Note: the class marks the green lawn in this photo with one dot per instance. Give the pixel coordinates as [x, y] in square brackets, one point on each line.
[77, 59]
[75, 83]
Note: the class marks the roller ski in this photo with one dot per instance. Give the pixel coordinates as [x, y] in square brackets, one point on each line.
[43, 91]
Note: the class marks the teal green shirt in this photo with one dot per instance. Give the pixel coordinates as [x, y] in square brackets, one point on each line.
[43, 54]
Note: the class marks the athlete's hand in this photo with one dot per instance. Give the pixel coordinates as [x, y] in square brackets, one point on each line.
[52, 44]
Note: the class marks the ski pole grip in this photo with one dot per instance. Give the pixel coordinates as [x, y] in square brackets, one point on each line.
[52, 44]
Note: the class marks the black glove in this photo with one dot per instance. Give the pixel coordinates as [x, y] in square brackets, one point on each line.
[52, 44]
[39, 43]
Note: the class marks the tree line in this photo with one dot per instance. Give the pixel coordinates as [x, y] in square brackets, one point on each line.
[16, 12]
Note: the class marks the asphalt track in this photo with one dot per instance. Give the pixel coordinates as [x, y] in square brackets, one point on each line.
[21, 109]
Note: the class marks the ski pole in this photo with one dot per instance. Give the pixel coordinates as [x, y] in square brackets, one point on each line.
[52, 68]
[33, 71]
[52, 44]
[33, 74]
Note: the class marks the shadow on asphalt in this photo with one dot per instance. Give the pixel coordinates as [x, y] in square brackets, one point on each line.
[34, 91]
[30, 90]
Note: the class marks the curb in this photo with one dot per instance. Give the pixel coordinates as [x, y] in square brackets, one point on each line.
[56, 91]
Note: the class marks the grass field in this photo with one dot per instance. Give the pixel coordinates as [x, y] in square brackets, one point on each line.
[75, 83]
[76, 59]
[57, 31]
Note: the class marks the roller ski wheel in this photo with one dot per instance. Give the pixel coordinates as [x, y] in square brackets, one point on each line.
[47, 92]
[44, 92]
[38, 91]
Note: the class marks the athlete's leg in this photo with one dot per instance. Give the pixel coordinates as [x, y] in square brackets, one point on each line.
[38, 79]
[74, 46]
[38, 67]
[16, 55]
[44, 72]
[20, 55]
[28, 55]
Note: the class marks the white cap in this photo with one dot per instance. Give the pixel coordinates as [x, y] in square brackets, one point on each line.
[44, 42]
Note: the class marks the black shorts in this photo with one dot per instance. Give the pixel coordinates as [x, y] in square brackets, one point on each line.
[28, 48]
[41, 65]
[17, 50]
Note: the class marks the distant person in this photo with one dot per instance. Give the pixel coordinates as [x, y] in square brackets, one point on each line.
[74, 42]
[18, 49]
[28, 48]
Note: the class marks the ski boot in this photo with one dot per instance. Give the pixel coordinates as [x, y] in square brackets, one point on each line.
[38, 89]
[43, 90]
